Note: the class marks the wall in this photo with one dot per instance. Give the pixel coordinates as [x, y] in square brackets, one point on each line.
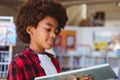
[112, 11]
[74, 14]
[7, 10]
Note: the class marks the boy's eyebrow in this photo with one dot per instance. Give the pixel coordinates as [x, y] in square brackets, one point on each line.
[51, 25]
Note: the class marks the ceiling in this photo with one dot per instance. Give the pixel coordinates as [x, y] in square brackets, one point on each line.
[66, 3]
[77, 2]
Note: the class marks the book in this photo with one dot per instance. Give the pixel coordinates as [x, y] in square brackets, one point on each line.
[98, 72]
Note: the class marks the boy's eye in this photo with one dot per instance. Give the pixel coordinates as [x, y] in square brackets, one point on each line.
[48, 29]
[57, 31]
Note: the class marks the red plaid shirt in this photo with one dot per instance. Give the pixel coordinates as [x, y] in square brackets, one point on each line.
[26, 66]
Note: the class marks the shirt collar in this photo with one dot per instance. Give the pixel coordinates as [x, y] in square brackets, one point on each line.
[31, 54]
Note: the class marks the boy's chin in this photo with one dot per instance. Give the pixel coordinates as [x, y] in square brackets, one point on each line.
[49, 47]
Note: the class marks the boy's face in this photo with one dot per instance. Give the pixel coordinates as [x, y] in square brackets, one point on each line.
[44, 35]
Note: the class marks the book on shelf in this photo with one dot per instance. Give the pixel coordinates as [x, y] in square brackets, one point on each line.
[98, 72]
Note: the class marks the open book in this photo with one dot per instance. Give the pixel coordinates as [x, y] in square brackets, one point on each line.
[98, 72]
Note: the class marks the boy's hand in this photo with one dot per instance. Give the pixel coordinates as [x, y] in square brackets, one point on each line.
[86, 78]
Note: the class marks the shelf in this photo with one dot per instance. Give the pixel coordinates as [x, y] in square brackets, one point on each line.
[75, 62]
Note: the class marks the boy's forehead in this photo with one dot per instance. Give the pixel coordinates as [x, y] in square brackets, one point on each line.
[50, 21]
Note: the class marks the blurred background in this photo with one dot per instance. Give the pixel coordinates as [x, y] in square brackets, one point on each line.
[91, 36]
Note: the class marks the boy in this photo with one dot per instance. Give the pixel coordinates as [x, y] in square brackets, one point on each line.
[38, 23]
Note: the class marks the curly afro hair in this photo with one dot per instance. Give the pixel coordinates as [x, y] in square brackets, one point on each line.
[33, 11]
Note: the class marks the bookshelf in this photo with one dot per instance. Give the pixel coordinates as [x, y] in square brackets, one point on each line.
[4, 62]
[73, 62]
[7, 41]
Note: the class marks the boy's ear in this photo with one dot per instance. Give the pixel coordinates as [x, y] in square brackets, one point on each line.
[29, 30]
